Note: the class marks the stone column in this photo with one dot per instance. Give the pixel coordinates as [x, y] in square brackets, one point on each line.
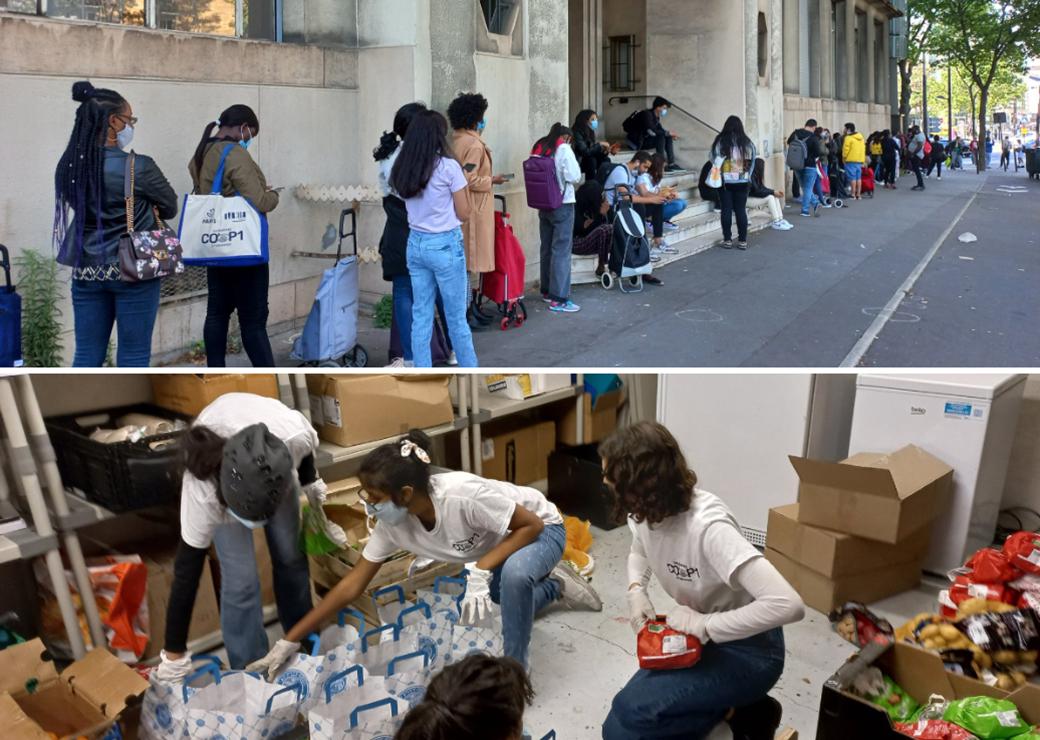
[453, 35]
[791, 46]
[826, 51]
[851, 57]
[805, 75]
[841, 59]
[871, 42]
[586, 44]
[751, 70]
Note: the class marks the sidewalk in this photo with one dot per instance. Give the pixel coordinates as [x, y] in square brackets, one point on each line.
[801, 298]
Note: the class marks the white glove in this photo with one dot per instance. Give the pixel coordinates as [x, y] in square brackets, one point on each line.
[173, 671]
[686, 620]
[476, 604]
[316, 493]
[640, 609]
[270, 663]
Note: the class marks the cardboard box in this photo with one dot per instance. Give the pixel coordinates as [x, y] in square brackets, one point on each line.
[520, 456]
[189, 394]
[844, 716]
[833, 554]
[84, 701]
[883, 497]
[576, 486]
[600, 419]
[520, 387]
[825, 594]
[354, 409]
[205, 618]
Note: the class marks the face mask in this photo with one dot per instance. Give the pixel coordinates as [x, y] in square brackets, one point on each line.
[244, 141]
[124, 137]
[482, 125]
[245, 522]
[664, 113]
[594, 125]
[387, 512]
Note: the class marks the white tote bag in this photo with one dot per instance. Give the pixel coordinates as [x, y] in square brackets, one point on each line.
[241, 706]
[164, 705]
[222, 232]
[355, 705]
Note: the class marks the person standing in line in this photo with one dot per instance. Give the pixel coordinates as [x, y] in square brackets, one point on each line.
[243, 289]
[468, 117]
[806, 138]
[854, 154]
[433, 186]
[737, 153]
[89, 182]
[916, 149]
[393, 246]
[557, 227]
[736, 605]
[937, 157]
[889, 159]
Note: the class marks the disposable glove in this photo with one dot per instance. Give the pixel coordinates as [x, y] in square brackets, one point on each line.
[270, 663]
[640, 609]
[686, 620]
[173, 671]
[316, 493]
[476, 604]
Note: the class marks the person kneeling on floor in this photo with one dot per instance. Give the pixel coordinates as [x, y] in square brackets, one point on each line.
[245, 458]
[728, 596]
[510, 538]
[774, 199]
[478, 698]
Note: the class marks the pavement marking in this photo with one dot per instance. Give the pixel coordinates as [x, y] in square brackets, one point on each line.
[860, 349]
[700, 316]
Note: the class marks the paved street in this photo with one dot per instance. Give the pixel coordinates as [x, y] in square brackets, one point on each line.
[826, 294]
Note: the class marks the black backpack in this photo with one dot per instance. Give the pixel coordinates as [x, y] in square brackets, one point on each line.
[631, 126]
[605, 171]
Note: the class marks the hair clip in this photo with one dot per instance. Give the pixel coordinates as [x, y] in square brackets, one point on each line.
[408, 447]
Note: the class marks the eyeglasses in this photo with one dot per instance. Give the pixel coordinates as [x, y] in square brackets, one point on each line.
[130, 120]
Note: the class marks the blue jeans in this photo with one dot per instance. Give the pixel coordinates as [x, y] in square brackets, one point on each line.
[523, 587]
[132, 307]
[808, 179]
[438, 262]
[403, 303]
[557, 235]
[688, 704]
[241, 607]
[673, 208]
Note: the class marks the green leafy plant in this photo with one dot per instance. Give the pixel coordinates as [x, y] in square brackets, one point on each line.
[384, 312]
[41, 299]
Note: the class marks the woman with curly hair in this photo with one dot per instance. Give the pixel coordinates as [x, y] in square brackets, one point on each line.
[727, 595]
[467, 117]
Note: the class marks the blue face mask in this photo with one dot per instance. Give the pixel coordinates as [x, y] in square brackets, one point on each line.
[482, 125]
[245, 522]
[246, 142]
[387, 512]
[664, 113]
[594, 124]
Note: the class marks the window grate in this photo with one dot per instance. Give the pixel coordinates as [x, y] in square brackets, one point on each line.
[622, 63]
[190, 283]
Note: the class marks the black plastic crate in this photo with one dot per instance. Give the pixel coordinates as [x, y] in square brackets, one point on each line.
[121, 476]
[576, 485]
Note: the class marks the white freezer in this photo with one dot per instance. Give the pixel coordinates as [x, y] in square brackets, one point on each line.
[966, 420]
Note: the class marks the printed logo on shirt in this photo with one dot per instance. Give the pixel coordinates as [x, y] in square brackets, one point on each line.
[466, 545]
[683, 572]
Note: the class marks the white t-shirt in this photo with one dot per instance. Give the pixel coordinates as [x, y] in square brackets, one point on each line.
[386, 167]
[695, 555]
[619, 176]
[201, 510]
[648, 183]
[473, 516]
[568, 170]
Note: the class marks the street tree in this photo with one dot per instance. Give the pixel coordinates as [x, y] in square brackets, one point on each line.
[983, 37]
[918, 25]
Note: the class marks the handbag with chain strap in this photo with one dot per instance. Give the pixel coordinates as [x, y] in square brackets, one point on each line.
[146, 255]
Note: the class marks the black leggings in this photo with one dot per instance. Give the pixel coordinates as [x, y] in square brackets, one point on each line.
[654, 212]
[888, 170]
[734, 201]
[242, 289]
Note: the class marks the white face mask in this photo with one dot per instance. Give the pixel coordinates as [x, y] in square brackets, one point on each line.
[124, 137]
[245, 522]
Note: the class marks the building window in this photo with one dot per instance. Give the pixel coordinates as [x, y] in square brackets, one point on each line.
[622, 63]
[254, 19]
[498, 15]
[763, 46]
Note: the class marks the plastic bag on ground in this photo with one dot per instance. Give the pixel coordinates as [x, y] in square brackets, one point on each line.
[579, 542]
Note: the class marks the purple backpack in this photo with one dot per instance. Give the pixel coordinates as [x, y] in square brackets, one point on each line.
[543, 186]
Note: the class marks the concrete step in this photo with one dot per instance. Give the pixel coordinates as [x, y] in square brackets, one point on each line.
[698, 231]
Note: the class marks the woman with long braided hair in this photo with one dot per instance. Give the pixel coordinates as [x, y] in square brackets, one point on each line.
[89, 219]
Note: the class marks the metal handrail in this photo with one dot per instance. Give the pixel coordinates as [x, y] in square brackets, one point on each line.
[624, 99]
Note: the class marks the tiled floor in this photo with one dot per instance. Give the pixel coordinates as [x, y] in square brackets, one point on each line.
[580, 660]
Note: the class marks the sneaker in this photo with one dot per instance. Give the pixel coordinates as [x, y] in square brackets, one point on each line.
[668, 248]
[654, 256]
[807, 215]
[652, 280]
[816, 210]
[917, 187]
[546, 298]
[727, 244]
[778, 225]
[669, 226]
[757, 721]
[398, 362]
[564, 307]
[742, 245]
[575, 591]
[787, 225]
[453, 359]
[828, 205]
[939, 177]
[673, 167]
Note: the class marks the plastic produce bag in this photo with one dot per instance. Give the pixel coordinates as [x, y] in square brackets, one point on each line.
[989, 719]
[241, 706]
[313, 539]
[659, 647]
[1023, 551]
[332, 651]
[934, 729]
[881, 690]
[991, 566]
[579, 541]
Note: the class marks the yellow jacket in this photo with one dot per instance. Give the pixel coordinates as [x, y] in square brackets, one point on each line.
[854, 150]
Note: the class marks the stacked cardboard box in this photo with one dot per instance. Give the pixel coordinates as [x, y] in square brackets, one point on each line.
[861, 529]
[189, 394]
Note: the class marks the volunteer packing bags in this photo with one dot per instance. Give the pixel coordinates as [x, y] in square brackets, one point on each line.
[222, 232]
